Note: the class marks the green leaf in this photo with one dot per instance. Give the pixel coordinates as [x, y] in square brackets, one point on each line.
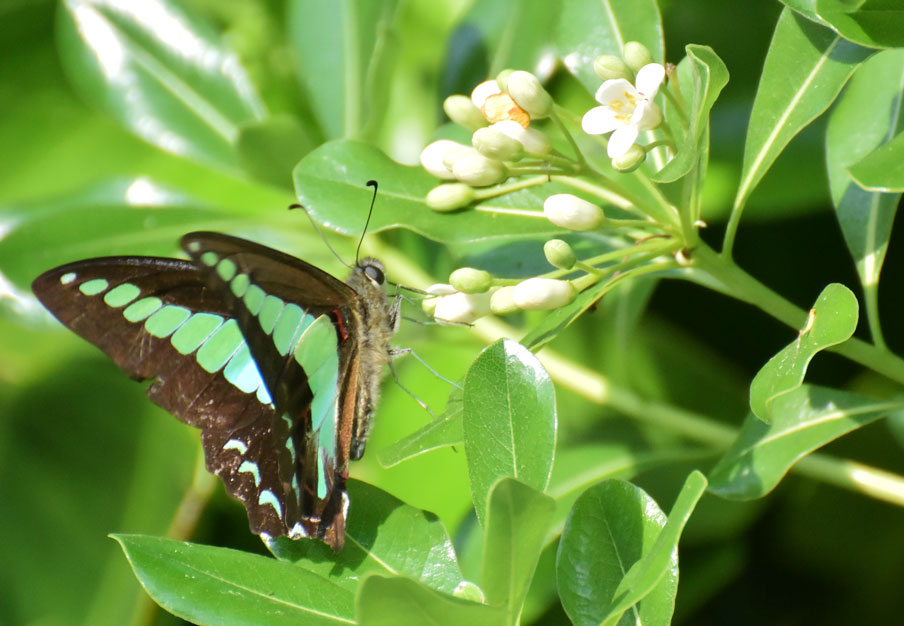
[871, 23]
[832, 320]
[589, 28]
[867, 115]
[802, 421]
[517, 522]
[661, 561]
[611, 526]
[349, 87]
[270, 149]
[383, 535]
[706, 76]
[578, 469]
[509, 420]
[331, 182]
[883, 170]
[162, 72]
[210, 586]
[805, 69]
[443, 432]
[390, 601]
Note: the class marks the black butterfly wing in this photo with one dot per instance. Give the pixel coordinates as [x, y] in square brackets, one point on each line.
[156, 319]
[301, 328]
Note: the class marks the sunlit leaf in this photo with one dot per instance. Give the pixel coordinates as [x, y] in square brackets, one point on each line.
[832, 320]
[509, 420]
[802, 421]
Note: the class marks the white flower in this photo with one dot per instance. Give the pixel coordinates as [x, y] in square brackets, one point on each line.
[626, 109]
[533, 140]
[542, 293]
[483, 91]
[461, 308]
[476, 170]
[571, 212]
[527, 92]
[434, 293]
[433, 158]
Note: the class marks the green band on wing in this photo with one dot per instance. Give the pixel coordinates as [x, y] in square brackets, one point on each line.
[242, 371]
[166, 320]
[268, 497]
[93, 287]
[220, 347]
[254, 299]
[270, 312]
[137, 311]
[239, 285]
[121, 295]
[226, 269]
[209, 258]
[251, 467]
[195, 332]
[289, 327]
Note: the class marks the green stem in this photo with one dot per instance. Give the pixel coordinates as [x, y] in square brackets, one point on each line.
[615, 197]
[871, 298]
[557, 120]
[741, 285]
[596, 388]
[500, 190]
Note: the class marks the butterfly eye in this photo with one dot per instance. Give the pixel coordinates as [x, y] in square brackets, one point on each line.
[374, 273]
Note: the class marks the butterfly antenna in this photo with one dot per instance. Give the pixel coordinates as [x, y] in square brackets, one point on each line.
[321, 233]
[370, 183]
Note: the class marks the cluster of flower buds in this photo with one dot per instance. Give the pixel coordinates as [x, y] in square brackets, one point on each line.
[471, 293]
[505, 146]
[498, 113]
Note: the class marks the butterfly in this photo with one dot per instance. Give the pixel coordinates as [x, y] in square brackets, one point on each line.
[277, 362]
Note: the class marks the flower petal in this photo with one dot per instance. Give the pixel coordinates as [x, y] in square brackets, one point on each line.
[614, 89]
[649, 79]
[621, 141]
[483, 91]
[646, 116]
[600, 120]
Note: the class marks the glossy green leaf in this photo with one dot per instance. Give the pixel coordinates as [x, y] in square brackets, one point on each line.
[211, 586]
[440, 433]
[867, 115]
[331, 183]
[805, 69]
[162, 72]
[883, 170]
[383, 535]
[871, 23]
[802, 421]
[577, 469]
[390, 601]
[832, 320]
[343, 52]
[589, 28]
[500, 34]
[611, 526]
[509, 420]
[705, 77]
[517, 522]
[661, 561]
[130, 216]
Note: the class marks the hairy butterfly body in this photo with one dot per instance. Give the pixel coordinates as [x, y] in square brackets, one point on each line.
[276, 362]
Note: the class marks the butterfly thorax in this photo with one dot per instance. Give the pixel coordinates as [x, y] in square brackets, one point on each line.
[376, 327]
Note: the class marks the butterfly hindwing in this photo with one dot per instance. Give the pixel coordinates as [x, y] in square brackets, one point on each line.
[299, 325]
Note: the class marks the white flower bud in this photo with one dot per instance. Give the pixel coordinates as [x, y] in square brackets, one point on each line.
[458, 151]
[502, 301]
[630, 160]
[533, 140]
[483, 91]
[433, 158]
[636, 55]
[470, 280]
[434, 291]
[542, 293]
[462, 111]
[495, 144]
[478, 171]
[526, 90]
[559, 254]
[609, 67]
[502, 78]
[568, 211]
[461, 308]
[449, 197]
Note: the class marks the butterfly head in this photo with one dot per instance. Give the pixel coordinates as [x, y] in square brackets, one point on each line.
[373, 271]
